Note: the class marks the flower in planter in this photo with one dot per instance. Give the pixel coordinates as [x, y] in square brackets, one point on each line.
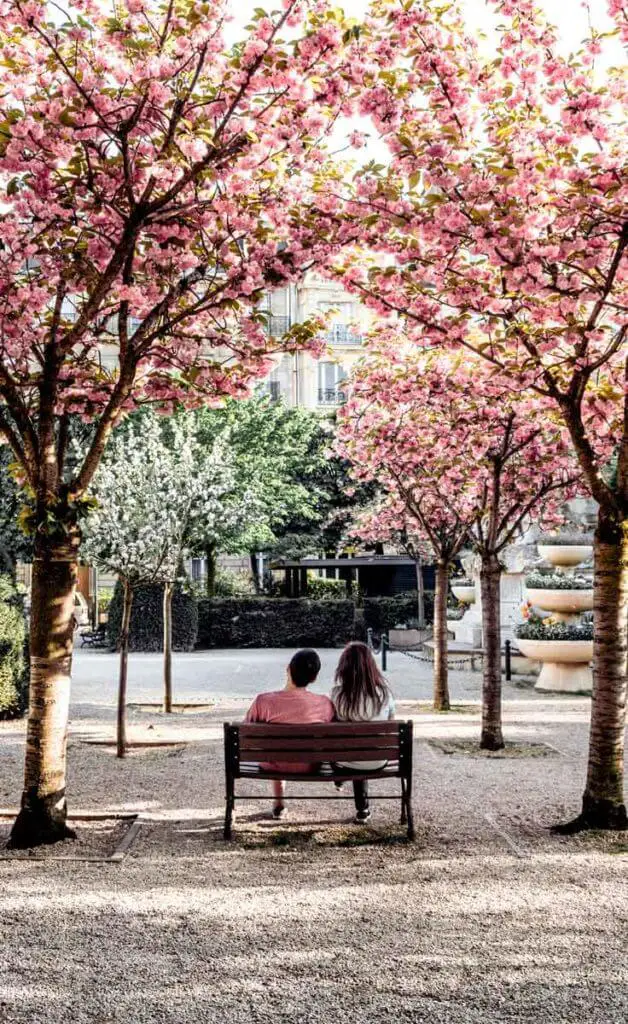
[557, 581]
[551, 630]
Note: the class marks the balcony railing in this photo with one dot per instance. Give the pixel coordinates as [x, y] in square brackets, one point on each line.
[340, 334]
[277, 325]
[331, 396]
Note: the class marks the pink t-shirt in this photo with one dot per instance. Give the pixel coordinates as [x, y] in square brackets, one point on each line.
[290, 707]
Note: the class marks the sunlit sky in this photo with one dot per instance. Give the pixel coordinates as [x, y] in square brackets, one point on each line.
[571, 16]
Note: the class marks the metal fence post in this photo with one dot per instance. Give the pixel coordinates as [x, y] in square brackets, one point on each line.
[508, 660]
[384, 651]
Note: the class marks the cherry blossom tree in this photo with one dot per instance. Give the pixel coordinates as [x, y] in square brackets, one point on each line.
[149, 172]
[467, 461]
[502, 216]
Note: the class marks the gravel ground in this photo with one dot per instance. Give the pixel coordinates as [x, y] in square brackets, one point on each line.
[487, 917]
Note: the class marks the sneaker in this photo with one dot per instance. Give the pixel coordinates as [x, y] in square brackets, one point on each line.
[279, 812]
[362, 816]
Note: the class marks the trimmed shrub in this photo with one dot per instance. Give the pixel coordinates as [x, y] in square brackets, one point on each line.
[274, 622]
[14, 673]
[320, 589]
[384, 613]
[147, 619]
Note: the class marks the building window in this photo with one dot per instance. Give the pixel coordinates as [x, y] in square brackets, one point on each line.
[331, 381]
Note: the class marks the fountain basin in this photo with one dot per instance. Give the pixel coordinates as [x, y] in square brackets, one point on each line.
[570, 601]
[566, 664]
[565, 554]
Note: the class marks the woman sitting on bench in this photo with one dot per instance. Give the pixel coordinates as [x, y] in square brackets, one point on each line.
[361, 694]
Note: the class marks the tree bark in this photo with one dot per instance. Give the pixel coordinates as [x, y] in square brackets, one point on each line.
[168, 591]
[127, 606]
[491, 737]
[441, 683]
[603, 800]
[210, 579]
[43, 813]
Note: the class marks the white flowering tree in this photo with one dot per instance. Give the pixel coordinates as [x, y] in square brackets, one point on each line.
[158, 492]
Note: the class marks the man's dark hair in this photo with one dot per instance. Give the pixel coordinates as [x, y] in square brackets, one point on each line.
[304, 667]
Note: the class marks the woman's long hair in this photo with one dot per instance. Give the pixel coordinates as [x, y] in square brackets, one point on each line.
[360, 690]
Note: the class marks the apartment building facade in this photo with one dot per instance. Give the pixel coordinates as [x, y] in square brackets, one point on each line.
[302, 379]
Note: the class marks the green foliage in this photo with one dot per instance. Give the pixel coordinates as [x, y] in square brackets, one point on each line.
[276, 451]
[228, 583]
[384, 613]
[14, 544]
[105, 598]
[147, 621]
[318, 588]
[304, 494]
[536, 629]
[274, 622]
[13, 656]
[557, 581]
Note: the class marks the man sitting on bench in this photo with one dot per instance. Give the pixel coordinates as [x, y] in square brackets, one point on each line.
[294, 705]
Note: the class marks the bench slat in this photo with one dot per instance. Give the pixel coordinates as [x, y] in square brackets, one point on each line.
[253, 771]
[274, 743]
[315, 755]
[330, 729]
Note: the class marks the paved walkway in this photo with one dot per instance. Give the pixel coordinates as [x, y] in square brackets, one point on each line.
[206, 675]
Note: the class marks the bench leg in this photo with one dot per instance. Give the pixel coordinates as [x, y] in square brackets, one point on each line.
[404, 809]
[409, 815]
[230, 802]
[228, 834]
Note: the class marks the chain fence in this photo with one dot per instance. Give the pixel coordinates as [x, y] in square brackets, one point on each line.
[417, 652]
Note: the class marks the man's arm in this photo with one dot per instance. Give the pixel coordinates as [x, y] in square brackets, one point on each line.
[253, 714]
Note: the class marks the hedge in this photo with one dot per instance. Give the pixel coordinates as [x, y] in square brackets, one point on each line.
[147, 620]
[274, 622]
[14, 673]
[384, 613]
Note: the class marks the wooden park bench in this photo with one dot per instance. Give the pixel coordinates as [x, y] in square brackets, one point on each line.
[95, 637]
[248, 748]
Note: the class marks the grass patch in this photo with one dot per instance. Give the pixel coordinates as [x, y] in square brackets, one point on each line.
[427, 708]
[471, 748]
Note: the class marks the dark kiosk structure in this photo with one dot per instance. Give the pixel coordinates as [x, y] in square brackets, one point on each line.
[375, 575]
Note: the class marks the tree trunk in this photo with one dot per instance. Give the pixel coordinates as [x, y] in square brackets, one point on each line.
[441, 685]
[603, 800]
[210, 580]
[491, 737]
[43, 813]
[124, 667]
[168, 591]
